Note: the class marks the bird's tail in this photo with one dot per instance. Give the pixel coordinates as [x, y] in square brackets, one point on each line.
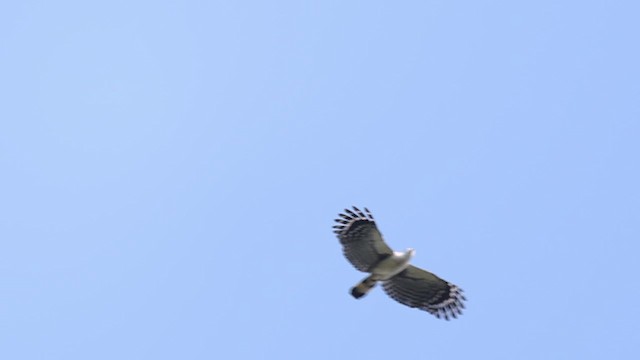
[363, 287]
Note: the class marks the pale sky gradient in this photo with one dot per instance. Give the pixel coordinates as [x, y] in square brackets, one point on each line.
[171, 170]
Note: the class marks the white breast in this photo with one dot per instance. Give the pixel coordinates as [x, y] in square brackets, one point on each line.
[392, 265]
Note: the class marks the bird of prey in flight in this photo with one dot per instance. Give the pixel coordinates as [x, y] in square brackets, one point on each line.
[364, 247]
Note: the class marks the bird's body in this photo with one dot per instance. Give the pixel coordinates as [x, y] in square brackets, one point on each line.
[392, 265]
[385, 269]
[365, 248]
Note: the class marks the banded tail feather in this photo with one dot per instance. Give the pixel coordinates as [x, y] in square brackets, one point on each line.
[363, 287]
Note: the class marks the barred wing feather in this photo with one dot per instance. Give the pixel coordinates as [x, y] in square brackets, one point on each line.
[362, 242]
[421, 289]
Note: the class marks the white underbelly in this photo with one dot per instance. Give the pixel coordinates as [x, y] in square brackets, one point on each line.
[391, 266]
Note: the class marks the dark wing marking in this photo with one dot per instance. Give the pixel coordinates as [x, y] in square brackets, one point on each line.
[421, 289]
[361, 241]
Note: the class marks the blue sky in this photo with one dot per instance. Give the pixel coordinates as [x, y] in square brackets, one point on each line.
[171, 170]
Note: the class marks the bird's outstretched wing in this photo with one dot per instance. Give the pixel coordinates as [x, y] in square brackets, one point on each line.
[421, 289]
[361, 241]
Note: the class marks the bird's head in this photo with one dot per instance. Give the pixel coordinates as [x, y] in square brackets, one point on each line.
[411, 252]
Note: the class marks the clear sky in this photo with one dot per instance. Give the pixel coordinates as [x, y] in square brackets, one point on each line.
[170, 171]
